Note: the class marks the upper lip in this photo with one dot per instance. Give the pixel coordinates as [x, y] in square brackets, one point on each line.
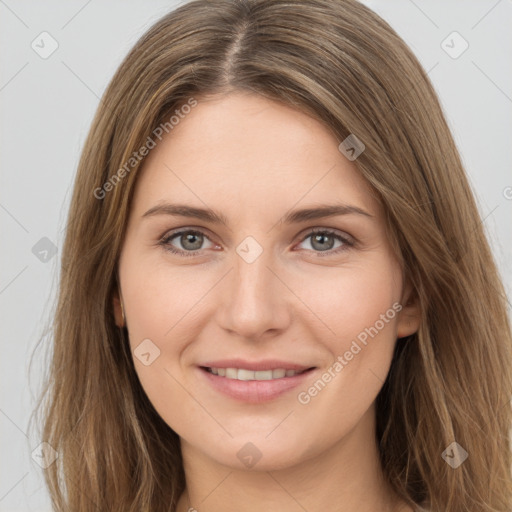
[267, 364]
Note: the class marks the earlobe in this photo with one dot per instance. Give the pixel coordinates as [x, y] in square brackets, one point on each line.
[118, 310]
[409, 318]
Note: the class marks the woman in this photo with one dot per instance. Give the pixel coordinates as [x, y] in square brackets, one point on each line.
[335, 336]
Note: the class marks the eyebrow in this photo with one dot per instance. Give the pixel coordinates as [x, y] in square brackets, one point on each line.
[295, 216]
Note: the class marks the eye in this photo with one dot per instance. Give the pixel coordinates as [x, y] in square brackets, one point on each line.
[323, 241]
[190, 240]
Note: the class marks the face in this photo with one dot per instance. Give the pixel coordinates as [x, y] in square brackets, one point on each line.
[247, 279]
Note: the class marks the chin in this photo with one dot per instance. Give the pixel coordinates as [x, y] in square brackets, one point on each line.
[259, 454]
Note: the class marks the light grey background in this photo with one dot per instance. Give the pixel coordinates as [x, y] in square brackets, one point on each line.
[47, 106]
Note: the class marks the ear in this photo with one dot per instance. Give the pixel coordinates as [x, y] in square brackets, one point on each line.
[409, 318]
[118, 315]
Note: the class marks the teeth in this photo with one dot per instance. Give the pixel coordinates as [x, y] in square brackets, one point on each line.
[279, 373]
[231, 373]
[243, 374]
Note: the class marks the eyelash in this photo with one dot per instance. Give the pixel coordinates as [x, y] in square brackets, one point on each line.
[164, 242]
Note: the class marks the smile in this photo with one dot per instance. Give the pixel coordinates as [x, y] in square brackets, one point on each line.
[253, 386]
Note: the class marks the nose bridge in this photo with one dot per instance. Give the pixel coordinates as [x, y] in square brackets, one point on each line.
[254, 301]
[252, 279]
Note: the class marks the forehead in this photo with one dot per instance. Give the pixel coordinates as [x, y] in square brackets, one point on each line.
[246, 152]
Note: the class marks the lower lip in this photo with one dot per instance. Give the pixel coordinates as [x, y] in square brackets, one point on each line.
[254, 391]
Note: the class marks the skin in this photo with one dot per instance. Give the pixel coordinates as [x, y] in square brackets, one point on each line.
[254, 160]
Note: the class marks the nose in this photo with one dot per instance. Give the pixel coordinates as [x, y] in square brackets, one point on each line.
[254, 300]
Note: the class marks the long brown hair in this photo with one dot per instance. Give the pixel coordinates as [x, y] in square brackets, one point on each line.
[342, 64]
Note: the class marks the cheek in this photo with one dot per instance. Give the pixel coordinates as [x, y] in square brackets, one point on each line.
[164, 312]
[161, 302]
[352, 301]
[360, 307]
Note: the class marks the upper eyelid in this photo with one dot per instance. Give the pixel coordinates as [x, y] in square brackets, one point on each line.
[179, 231]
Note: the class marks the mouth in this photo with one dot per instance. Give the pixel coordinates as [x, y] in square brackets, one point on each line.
[255, 385]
